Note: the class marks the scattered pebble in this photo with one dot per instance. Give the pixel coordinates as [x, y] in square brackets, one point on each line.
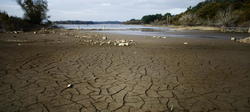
[123, 44]
[35, 32]
[104, 38]
[109, 42]
[19, 44]
[159, 37]
[245, 40]
[131, 40]
[172, 108]
[122, 41]
[70, 86]
[233, 38]
[185, 43]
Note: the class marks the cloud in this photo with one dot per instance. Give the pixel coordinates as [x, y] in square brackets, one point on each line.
[105, 4]
[104, 9]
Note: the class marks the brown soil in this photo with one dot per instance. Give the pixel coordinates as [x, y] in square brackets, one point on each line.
[153, 75]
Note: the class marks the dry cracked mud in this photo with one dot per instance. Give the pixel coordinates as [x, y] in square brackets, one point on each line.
[160, 76]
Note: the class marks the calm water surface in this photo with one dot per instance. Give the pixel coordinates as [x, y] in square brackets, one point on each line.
[153, 31]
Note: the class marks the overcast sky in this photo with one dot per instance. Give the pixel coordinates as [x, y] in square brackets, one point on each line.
[102, 10]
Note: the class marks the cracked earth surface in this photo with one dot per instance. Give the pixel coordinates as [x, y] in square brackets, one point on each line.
[139, 78]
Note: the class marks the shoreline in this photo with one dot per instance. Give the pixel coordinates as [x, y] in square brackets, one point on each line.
[205, 28]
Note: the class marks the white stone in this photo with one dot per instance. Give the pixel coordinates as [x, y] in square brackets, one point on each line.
[108, 42]
[69, 86]
[185, 43]
[121, 44]
[35, 32]
[172, 108]
[123, 41]
[104, 38]
[233, 38]
[19, 44]
[126, 44]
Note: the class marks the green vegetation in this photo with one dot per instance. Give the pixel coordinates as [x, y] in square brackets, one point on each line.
[150, 18]
[208, 13]
[9, 23]
[34, 14]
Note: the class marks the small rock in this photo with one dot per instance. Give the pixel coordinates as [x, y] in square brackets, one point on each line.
[164, 37]
[19, 44]
[185, 43]
[172, 108]
[123, 41]
[121, 44]
[104, 38]
[131, 40]
[126, 44]
[233, 38]
[35, 32]
[109, 42]
[70, 86]
[101, 43]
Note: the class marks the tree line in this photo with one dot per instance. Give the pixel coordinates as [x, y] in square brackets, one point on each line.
[209, 13]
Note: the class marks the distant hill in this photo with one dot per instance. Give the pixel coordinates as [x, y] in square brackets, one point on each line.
[208, 13]
[217, 13]
[87, 22]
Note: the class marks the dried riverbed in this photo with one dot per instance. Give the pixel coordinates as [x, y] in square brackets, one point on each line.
[70, 71]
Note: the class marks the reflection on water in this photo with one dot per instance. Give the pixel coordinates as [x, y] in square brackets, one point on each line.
[153, 31]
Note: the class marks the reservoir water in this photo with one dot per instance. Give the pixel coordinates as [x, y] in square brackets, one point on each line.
[152, 31]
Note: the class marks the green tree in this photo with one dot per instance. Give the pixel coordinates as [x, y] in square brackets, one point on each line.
[35, 10]
[151, 18]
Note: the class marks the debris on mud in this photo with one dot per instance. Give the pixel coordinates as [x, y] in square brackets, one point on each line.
[17, 32]
[245, 40]
[160, 37]
[123, 42]
[105, 41]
